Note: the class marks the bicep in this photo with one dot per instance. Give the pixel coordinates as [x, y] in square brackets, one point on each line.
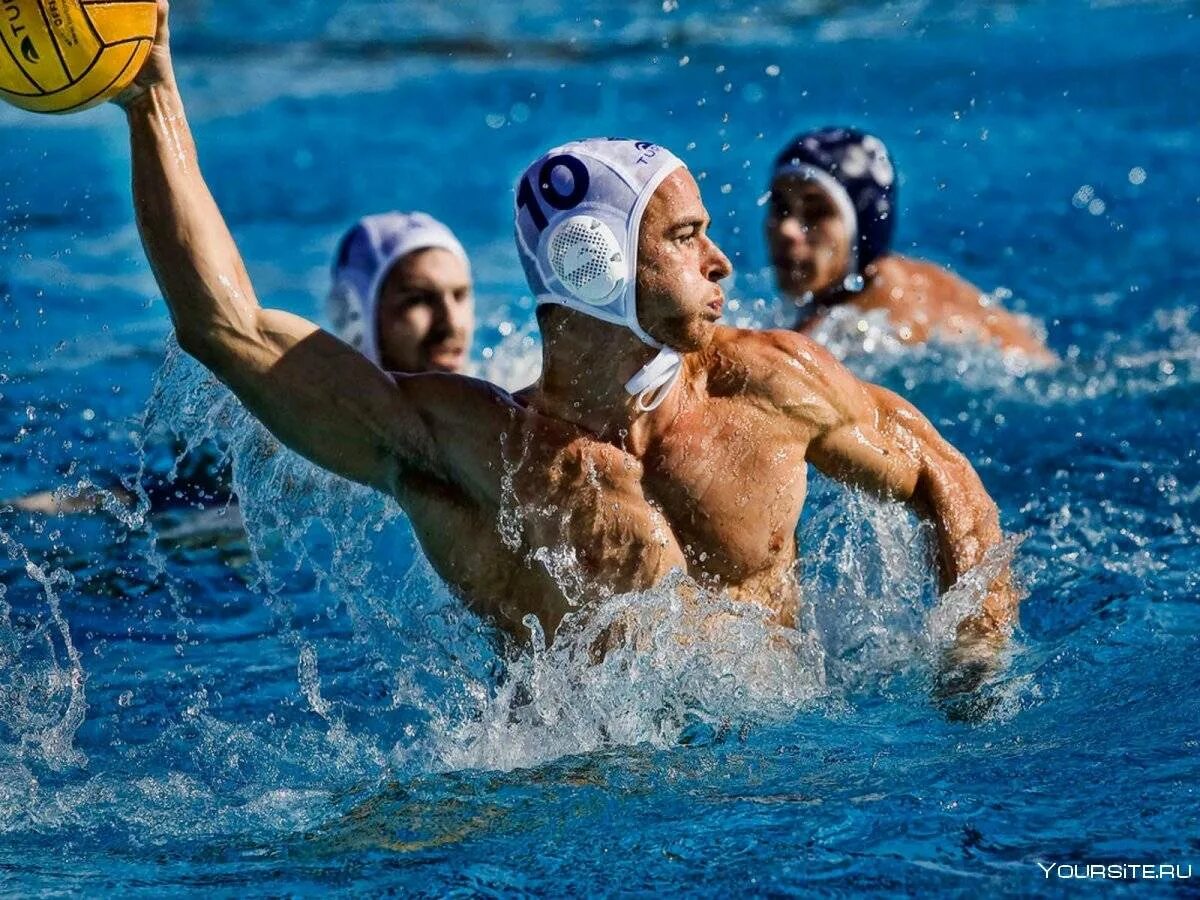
[323, 399]
[879, 445]
[890, 449]
[857, 433]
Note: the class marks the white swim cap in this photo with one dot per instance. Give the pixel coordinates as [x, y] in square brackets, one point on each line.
[364, 258]
[578, 213]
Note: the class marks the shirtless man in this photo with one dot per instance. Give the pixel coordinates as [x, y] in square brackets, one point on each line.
[654, 441]
[829, 231]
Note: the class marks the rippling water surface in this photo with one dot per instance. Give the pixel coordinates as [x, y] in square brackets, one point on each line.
[302, 706]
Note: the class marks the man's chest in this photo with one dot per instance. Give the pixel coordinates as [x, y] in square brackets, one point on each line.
[717, 497]
[719, 493]
[732, 486]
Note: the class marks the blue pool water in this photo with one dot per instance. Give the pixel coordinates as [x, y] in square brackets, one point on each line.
[304, 708]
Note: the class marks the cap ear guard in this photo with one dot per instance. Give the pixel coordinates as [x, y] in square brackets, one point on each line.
[587, 259]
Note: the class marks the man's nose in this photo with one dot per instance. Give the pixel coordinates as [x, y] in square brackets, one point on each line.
[442, 311]
[719, 266]
[792, 229]
[449, 312]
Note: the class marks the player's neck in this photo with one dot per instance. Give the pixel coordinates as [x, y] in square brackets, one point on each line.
[585, 365]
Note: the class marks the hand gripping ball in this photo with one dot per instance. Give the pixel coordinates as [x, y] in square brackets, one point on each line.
[60, 56]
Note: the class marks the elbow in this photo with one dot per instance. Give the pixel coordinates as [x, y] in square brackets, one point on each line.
[211, 345]
[993, 517]
[987, 517]
[195, 344]
[205, 349]
[954, 497]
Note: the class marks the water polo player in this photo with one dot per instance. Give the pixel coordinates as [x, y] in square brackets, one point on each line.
[402, 294]
[829, 232]
[655, 440]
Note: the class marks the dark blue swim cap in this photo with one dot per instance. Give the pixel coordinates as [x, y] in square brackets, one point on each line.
[859, 163]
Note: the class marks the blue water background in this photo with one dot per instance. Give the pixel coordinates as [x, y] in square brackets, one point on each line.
[307, 710]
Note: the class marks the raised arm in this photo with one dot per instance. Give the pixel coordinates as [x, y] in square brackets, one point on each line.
[314, 392]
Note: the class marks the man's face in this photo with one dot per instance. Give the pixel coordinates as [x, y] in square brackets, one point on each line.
[807, 236]
[426, 313]
[679, 299]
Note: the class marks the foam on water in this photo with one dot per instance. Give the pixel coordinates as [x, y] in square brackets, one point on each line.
[450, 696]
[455, 695]
[870, 615]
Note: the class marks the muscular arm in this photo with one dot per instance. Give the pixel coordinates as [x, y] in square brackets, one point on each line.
[312, 391]
[870, 438]
[887, 447]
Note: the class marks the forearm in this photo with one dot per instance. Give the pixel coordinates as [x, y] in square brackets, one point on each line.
[967, 522]
[193, 256]
[950, 495]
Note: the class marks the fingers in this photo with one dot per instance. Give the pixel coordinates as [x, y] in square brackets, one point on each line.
[164, 9]
[162, 34]
[157, 68]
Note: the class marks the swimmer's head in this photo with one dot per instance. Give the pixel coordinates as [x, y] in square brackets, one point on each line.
[832, 211]
[402, 294]
[615, 229]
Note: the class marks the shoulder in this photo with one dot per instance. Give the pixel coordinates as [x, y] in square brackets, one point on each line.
[762, 352]
[463, 423]
[447, 397]
[905, 271]
[781, 370]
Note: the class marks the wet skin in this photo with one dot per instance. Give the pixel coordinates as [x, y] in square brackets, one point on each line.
[810, 250]
[564, 492]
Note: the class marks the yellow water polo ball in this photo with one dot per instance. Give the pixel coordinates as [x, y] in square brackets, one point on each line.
[60, 56]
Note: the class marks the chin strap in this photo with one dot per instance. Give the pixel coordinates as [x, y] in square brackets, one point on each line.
[656, 379]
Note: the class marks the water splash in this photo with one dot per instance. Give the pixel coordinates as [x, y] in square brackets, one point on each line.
[42, 697]
[673, 670]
